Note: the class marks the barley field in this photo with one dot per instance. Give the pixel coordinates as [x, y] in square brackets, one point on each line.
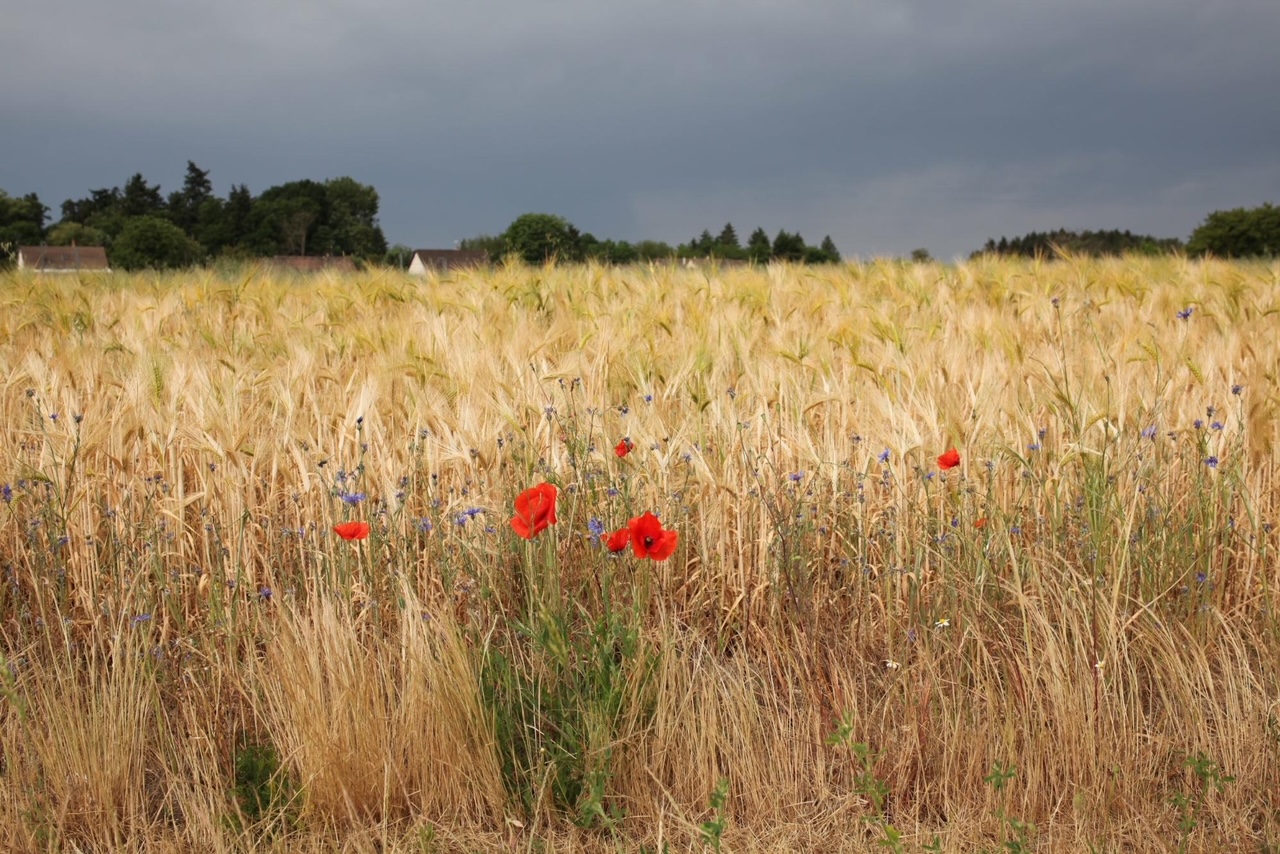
[1063, 640]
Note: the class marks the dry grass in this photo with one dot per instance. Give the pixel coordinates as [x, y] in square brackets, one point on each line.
[173, 598]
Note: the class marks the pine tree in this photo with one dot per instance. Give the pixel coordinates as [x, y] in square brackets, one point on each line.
[759, 248]
[829, 248]
[728, 238]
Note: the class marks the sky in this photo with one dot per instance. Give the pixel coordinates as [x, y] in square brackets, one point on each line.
[888, 125]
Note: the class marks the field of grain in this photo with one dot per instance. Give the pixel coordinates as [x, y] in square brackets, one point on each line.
[1066, 640]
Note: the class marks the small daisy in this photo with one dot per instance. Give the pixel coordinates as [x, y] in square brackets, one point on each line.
[943, 623]
[890, 664]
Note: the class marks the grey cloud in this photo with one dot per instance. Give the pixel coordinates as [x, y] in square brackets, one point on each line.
[660, 118]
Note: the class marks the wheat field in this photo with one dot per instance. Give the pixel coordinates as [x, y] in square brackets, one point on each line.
[1066, 642]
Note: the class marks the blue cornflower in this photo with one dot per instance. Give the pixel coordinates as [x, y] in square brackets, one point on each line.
[1211, 462]
[884, 456]
[353, 498]
[7, 493]
[796, 476]
[1185, 314]
[1217, 425]
[595, 526]
[1150, 432]
[264, 593]
[1034, 446]
[1236, 389]
[473, 512]
[423, 525]
[1198, 424]
[648, 398]
[1201, 578]
[141, 618]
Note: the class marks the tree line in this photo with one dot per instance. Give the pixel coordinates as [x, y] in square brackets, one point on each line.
[1236, 233]
[539, 237]
[140, 227]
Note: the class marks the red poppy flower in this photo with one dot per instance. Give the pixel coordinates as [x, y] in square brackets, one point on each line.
[623, 447]
[535, 510]
[949, 460]
[648, 539]
[352, 530]
[981, 523]
[618, 540]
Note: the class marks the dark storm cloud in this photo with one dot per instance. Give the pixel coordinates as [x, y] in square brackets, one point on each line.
[887, 125]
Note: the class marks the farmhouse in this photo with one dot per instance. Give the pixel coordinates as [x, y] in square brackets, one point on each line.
[315, 263]
[443, 260]
[63, 259]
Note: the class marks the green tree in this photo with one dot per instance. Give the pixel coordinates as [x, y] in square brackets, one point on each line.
[140, 198]
[398, 256]
[22, 220]
[494, 244]
[728, 237]
[351, 227]
[1238, 233]
[153, 242]
[285, 217]
[921, 256]
[654, 250]
[829, 247]
[788, 247]
[96, 203]
[68, 233]
[759, 249]
[185, 204]
[540, 237]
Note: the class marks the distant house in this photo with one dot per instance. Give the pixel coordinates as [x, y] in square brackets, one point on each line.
[63, 259]
[443, 260]
[315, 263]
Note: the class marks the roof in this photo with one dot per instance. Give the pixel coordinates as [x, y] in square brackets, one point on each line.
[447, 258]
[63, 258]
[315, 263]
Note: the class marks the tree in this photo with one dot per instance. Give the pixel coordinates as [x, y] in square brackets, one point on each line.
[69, 233]
[398, 256]
[921, 256]
[152, 242]
[284, 219]
[84, 210]
[185, 204]
[541, 237]
[352, 225]
[22, 220]
[1238, 233]
[653, 250]
[728, 238]
[788, 247]
[140, 198]
[494, 244]
[759, 249]
[829, 247]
